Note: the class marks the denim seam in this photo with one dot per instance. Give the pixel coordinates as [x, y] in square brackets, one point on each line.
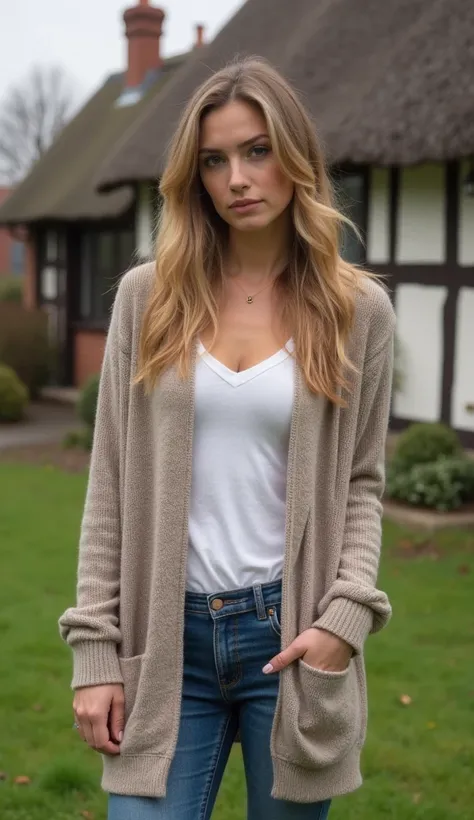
[218, 663]
[238, 677]
[273, 623]
[323, 810]
[208, 788]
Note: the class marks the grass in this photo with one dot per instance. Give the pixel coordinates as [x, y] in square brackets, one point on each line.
[418, 760]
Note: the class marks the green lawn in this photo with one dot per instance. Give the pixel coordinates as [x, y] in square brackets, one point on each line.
[419, 758]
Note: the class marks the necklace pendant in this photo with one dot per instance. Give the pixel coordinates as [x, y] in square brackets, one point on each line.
[249, 299]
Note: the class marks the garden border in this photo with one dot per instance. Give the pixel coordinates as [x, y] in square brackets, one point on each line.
[426, 519]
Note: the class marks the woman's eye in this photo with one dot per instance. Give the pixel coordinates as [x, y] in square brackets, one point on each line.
[260, 151]
[212, 160]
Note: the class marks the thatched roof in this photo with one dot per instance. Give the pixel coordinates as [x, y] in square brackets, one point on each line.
[62, 183]
[387, 81]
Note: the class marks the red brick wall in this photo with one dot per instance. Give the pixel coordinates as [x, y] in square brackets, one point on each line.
[89, 348]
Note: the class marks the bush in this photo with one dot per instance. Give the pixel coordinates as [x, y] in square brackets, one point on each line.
[13, 395]
[79, 439]
[87, 404]
[11, 289]
[443, 485]
[24, 345]
[424, 443]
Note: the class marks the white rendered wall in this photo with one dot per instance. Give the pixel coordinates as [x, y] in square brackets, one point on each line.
[466, 222]
[462, 395]
[421, 228]
[144, 222]
[419, 311]
[378, 228]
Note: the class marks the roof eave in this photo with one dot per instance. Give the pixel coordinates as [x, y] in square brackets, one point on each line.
[71, 216]
[108, 186]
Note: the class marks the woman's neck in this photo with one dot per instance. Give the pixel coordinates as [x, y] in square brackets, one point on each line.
[257, 255]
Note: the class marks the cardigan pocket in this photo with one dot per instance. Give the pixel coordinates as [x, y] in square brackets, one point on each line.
[131, 669]
[329, 715]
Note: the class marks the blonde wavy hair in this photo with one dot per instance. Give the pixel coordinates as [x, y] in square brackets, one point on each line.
[319, 287]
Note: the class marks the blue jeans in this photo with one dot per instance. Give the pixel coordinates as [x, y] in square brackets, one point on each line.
[228, 638]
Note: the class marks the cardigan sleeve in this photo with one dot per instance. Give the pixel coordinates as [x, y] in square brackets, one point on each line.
[91, 627]
[353, 606]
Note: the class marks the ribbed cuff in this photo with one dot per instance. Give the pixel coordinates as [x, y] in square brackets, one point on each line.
[348, 620]
[95, 663]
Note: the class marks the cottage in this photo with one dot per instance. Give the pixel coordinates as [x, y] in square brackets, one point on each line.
[389, 87]
[79, 240]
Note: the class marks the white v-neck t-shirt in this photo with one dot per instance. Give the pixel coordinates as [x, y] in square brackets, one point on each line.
[240, 459]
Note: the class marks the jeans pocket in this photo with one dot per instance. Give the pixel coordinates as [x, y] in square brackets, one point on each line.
[327, 724]
[274, 618]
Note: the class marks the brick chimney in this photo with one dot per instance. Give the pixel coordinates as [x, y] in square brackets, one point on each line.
[143, 26]
[199, 41]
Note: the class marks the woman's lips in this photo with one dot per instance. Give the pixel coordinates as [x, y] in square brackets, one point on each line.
[246, 206]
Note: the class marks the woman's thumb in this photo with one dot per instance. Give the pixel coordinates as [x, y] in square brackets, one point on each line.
[117, 718]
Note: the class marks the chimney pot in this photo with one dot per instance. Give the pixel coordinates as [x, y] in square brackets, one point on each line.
[143, 28]
[199, 36]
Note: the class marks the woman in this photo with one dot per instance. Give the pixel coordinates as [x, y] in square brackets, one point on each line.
[231, 534]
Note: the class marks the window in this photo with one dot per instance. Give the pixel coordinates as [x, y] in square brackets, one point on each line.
[52, 275]
[350, 189]
[17, 258]
[105, 255]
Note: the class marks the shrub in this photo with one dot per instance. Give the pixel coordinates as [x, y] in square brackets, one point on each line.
[423, 443]
[79, 439]
[87, 404]
[24, 345]
[11, 289]
[444, 484]
[13, 395]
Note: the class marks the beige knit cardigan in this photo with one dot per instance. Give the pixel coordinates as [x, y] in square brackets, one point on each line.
[127, 623]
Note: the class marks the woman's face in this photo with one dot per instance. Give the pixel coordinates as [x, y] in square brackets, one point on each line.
[239, 170]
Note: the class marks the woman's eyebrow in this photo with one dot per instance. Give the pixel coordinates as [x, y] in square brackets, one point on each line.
[241, 145]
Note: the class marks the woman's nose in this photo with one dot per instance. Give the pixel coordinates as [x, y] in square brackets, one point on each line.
[238, 179]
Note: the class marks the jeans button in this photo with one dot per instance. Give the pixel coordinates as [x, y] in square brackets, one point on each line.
[217, 604]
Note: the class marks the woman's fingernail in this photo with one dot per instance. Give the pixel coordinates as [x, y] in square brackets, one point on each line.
[268, 668]
[120, 737]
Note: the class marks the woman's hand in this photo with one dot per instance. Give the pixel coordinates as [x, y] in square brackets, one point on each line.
[316, 647]
[100, 715]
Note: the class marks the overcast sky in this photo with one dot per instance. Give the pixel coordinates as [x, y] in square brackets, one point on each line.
[86, 37]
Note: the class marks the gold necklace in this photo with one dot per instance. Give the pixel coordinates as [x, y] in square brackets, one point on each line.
[251, 298]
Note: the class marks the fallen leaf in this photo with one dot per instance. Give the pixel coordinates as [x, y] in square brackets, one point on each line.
[431, 725]
[37, 707]
[3, 775]
[22, 780]
[417, 798]
[405, 544]
[405, 699]
[464, 569]
[87, 814]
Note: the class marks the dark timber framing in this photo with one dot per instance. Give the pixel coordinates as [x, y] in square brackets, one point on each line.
[449, 275]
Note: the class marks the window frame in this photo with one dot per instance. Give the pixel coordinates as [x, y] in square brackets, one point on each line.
[338, 175]
[93, 310]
